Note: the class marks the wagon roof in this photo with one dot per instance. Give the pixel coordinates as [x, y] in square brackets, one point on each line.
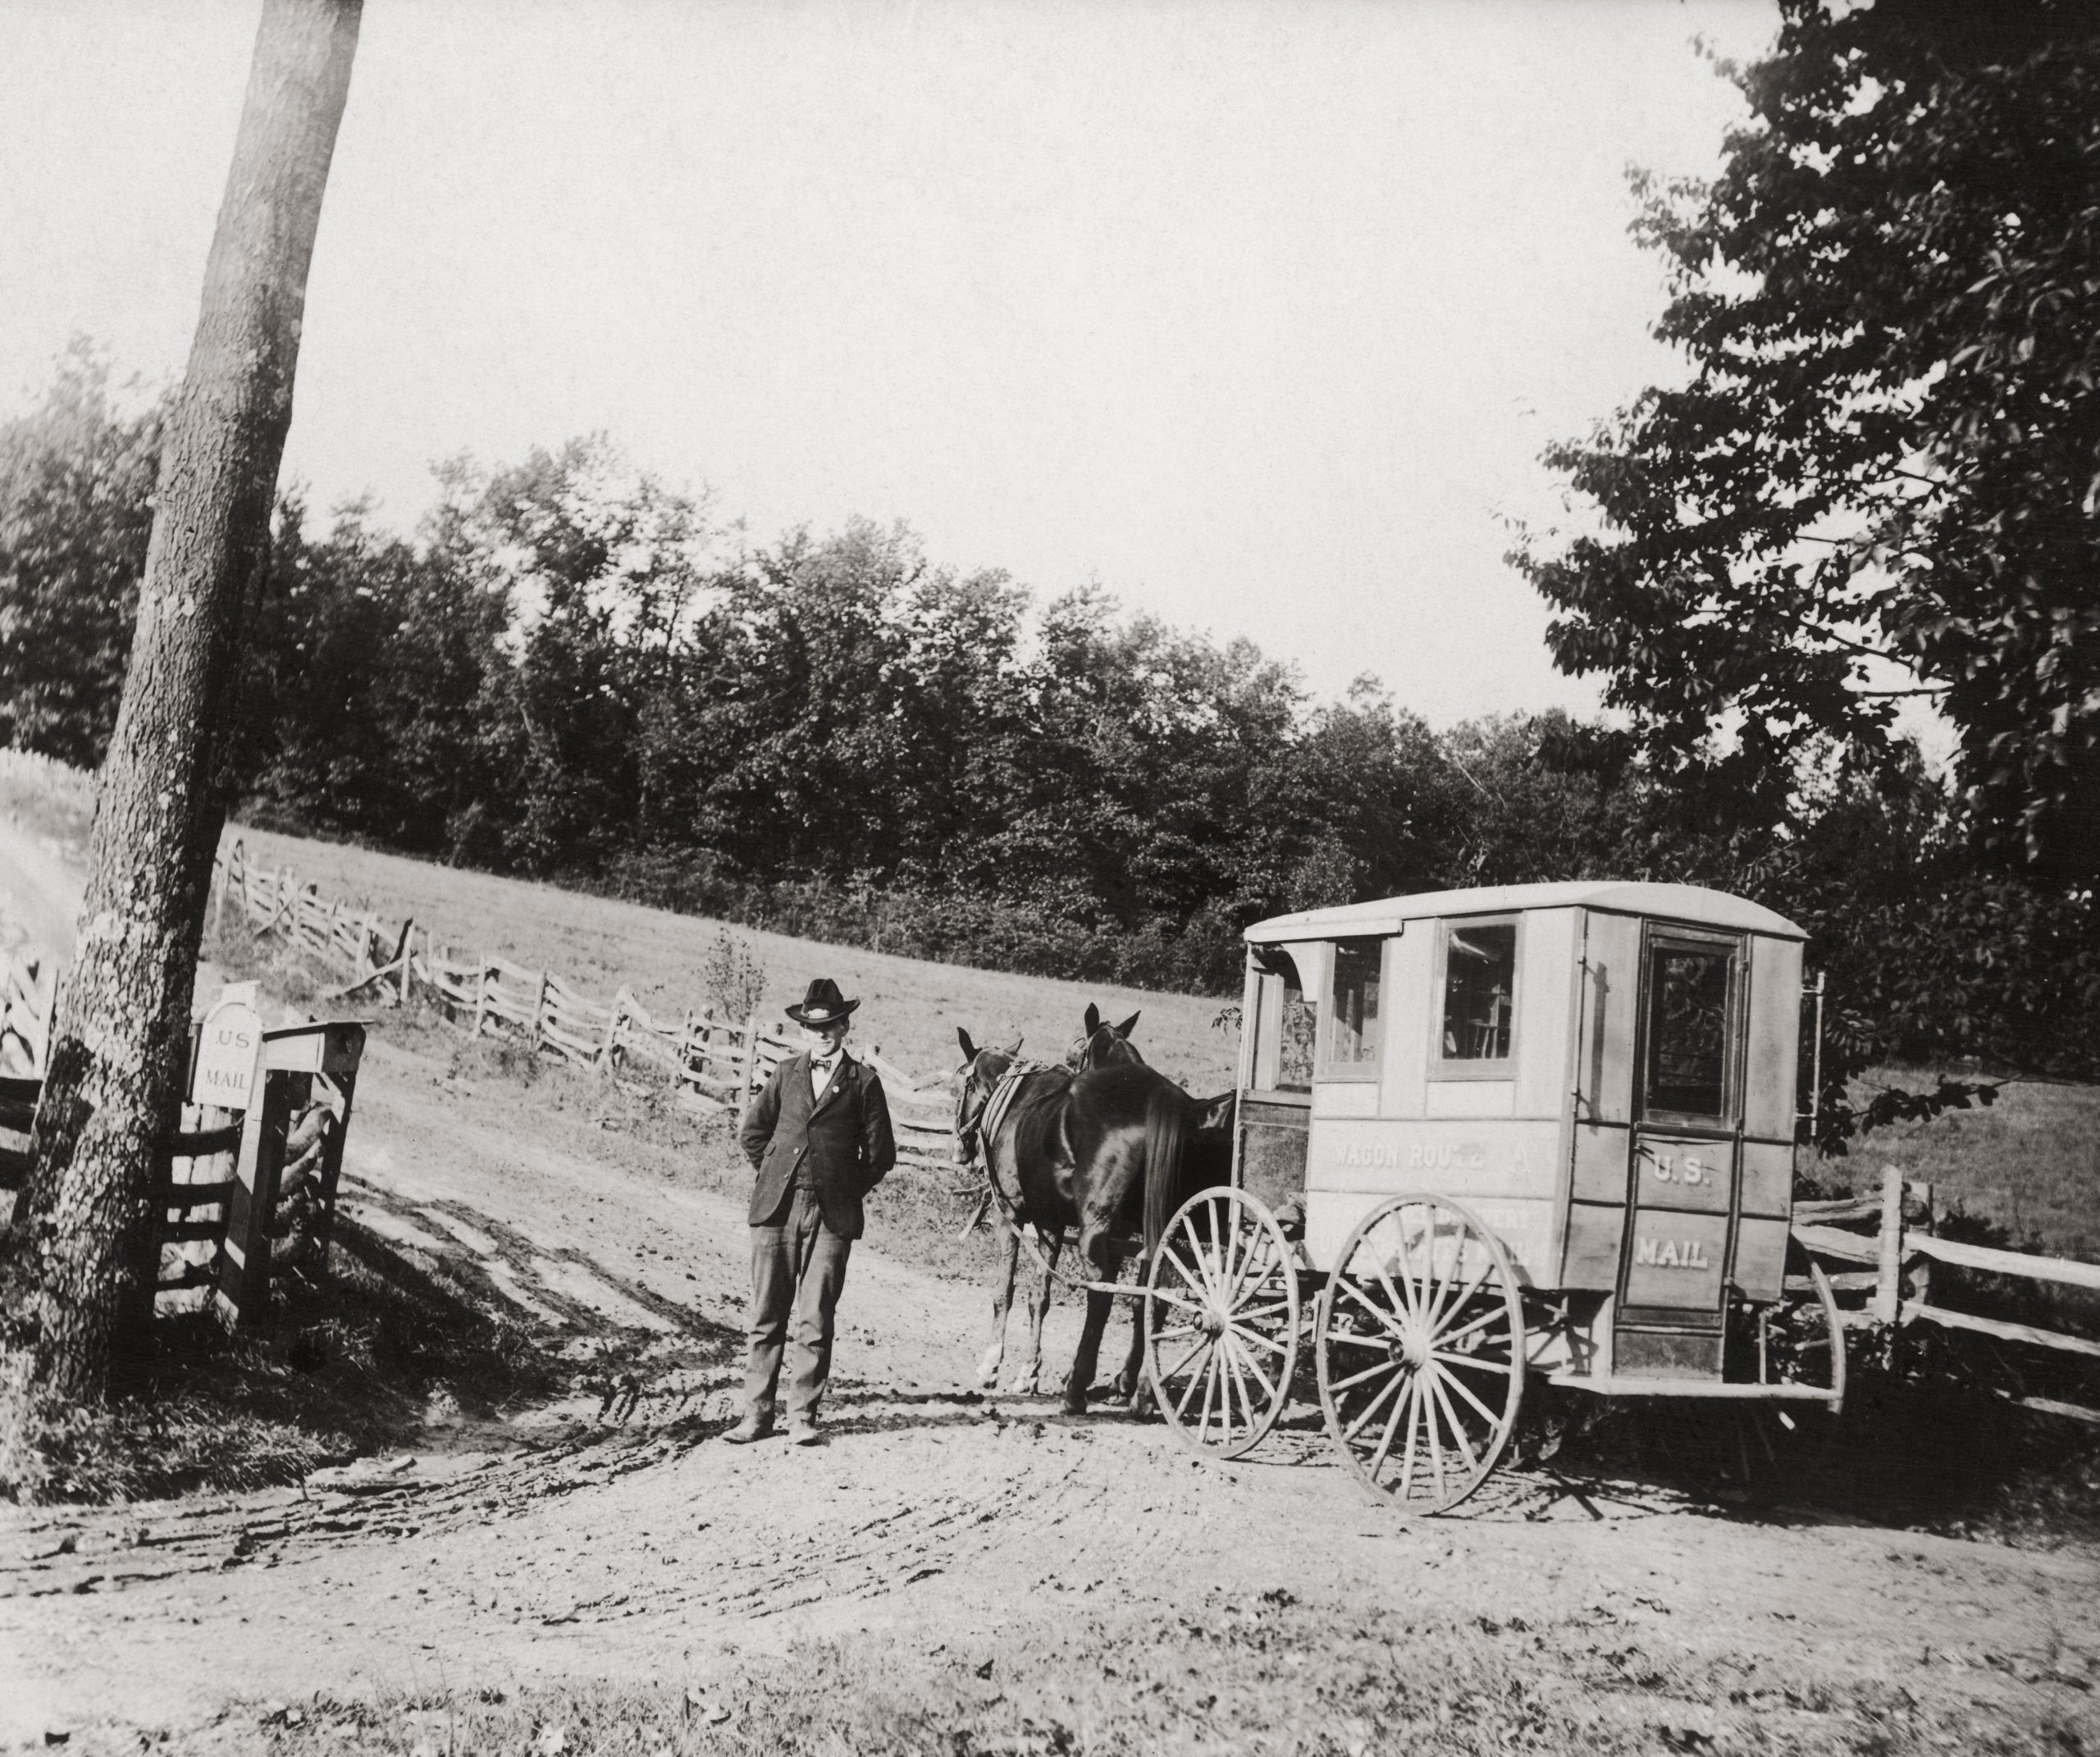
[1668, 902]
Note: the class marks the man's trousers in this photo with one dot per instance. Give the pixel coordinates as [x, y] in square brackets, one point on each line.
[798, 1268]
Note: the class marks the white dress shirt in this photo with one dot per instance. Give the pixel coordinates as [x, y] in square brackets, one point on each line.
[823, 1070]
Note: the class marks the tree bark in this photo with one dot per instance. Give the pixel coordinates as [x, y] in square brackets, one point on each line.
[85, 1236]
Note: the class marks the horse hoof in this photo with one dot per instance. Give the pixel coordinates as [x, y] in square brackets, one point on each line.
[1075, 1406]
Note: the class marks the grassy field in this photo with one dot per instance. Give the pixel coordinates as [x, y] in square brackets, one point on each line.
[2028, 1163]
[910, 1010]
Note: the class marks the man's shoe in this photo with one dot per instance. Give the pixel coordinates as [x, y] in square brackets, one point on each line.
[746, 1431]
[802, 1431]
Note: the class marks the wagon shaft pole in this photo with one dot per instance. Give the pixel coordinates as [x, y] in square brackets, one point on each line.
[86, 1219]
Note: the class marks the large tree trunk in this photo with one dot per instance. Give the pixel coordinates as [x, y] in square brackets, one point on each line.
[85, 1224]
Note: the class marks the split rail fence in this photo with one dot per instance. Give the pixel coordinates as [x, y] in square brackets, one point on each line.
[29, 995]
[1896, 1263]
[711, 1062]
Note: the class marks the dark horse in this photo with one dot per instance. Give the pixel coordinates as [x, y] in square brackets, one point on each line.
[1099, 1045]
[1103, 1045]
[1110, 1152]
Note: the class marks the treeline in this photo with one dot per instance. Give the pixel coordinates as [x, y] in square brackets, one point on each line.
[572, 671]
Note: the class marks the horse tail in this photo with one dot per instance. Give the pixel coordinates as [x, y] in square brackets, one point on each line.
[1166, 1122]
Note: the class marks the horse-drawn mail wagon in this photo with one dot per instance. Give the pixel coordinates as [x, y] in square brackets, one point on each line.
[1542, 1129]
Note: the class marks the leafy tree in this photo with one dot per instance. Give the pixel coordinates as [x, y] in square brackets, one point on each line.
[602, 565]
[799, 677]
[77, 509]
[367, 697]
[1881, 480]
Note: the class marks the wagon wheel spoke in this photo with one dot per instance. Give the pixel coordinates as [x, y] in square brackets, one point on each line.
[1417, 1285]
[1266, 1268]
[1178, 1300]
[1238, 1383]
[1194, 1274]
[1237, 1250]
[1403, 1303]
[1173, 1330]
[1248, 1314]
[1176, 1370]
[1370, 1410]
[1248, 1361]
[1465, 1390]
[1402, 1406]
[1357, 1378]
[1211, 1376]
[1269, 1342]
[1451, 1308]
[1464, 1444]
[1195, 1378]
[1241, 1247]
[1254, 1270]
[1495, 1314]
[1413, 1402]
[1473, 1361]
[1363, 1300]
[1199, 1273]
[1435, 1448]
[1199, 1380]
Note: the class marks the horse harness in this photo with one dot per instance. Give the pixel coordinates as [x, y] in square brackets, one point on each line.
[976, 1138]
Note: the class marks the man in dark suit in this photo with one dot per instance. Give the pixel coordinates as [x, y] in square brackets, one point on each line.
[818, 1137]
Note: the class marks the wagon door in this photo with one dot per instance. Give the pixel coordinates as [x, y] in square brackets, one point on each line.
[1687, 1154]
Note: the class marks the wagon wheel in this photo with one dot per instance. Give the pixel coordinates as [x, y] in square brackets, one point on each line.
[1221, 1318]
[1808, 1343]
[1419, 1340]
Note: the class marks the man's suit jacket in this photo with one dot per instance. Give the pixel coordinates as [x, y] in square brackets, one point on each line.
[841, 1145]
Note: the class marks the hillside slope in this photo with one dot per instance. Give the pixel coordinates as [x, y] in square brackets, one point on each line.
[909, 1008]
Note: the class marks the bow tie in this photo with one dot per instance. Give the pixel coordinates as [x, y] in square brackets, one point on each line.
[825, 1062]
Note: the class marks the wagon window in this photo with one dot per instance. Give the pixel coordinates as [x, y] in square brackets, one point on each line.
[1294, 1042]
[1352, 1019]
[1283, 1026]
[1687, 1029]
[1479, 988]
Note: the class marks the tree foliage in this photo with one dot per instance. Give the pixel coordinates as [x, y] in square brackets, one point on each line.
[1881, 478]
[76, 483]
[571, 670]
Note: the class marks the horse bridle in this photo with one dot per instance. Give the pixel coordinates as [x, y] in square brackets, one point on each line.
[966, 1140]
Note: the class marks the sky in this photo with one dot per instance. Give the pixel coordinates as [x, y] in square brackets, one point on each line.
[1257, 314]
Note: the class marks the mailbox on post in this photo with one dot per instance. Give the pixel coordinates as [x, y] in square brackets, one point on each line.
[290, 1158]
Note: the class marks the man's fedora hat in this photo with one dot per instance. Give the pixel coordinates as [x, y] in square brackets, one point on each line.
[822, 1005]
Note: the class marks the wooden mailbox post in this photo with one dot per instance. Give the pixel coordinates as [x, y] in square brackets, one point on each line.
[301, 1066]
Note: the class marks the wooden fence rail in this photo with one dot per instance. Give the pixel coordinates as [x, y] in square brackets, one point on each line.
[712, 1063]
[29, 995]
[1899, 1281]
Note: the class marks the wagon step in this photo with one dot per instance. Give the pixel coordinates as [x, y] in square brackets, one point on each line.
[1626, 1384]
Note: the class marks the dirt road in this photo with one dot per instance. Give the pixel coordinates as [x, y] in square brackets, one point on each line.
[617, 1538]
[639, 1547]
